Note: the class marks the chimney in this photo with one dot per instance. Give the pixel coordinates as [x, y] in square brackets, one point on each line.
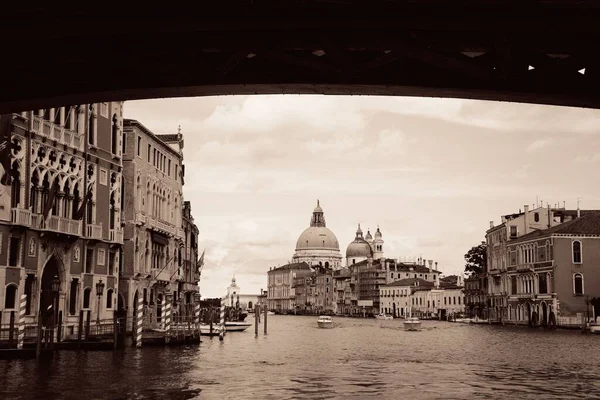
[437, 281]
[491, 224]
[436, 266]
[430, 262]
[526, 210]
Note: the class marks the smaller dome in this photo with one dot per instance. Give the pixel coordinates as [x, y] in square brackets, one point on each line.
[359, 248]
[378, 233]
[369, 237]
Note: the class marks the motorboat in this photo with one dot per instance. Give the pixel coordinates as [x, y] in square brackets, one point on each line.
[412, 324]
[477, 320]
[236, 326]
[463, 320]
[325, 321]
[384, 316]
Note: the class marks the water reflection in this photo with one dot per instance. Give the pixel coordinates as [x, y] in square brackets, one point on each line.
[356, 359]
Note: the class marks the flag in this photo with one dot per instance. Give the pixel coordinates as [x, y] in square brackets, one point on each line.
[50, 199]
[81, 211]
[200, 262]
[5, 136]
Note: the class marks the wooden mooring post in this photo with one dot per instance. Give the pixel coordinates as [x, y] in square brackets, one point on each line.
[266, 311]
[80, 329]
[139, 322]
[256, 319]
[22, 312]
[115, 330]
[38, 348]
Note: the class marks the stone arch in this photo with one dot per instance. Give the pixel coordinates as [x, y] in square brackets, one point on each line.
[53, 267]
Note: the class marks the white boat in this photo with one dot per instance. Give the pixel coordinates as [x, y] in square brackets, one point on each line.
[384, 316]
[237, 326]
[412, 324]
[229, 327]
[463, 320]
[325, 321]
[595, 327]
[476, 320]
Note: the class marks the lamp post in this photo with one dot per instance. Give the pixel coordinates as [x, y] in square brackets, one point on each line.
[99, 291]
[55, 290]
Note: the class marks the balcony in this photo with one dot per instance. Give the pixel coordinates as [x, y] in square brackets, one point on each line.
[57, 224]
[19, 216]
[94, 231]
[59, 133]
[140, 218]
[115, 236]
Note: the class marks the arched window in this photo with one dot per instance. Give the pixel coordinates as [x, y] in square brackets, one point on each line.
[109, 298]
[15, 186]
[536, 217]
[10, 300]
[576, 252]
[86, 297]
[91, 125]
[578, 284]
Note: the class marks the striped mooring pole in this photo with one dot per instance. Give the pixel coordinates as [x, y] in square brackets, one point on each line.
[140, 321]
[167, 306]
[22, 308]
[197, 314]
[163, 312]
[222, 330]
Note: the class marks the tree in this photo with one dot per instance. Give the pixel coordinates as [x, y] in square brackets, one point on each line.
[476, 259]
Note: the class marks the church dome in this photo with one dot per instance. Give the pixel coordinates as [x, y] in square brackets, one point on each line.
[378, 234]
[317, 235]
[359, 247]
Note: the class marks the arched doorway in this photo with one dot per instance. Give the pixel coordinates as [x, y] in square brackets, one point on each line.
[47, 296]
[528, 313]
[544, 314]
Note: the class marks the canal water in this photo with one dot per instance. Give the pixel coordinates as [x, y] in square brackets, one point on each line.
[357, 359]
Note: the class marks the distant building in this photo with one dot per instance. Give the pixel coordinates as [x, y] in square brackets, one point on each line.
[474, 297]
[281, 295]
[235, 297]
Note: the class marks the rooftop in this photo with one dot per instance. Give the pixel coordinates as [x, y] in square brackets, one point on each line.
[588, 224]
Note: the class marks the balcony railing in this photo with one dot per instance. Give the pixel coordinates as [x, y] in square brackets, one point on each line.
[94, 231]
[58, 133]
[56, 224]
[115, 236]
[20, 216]
[140, 218]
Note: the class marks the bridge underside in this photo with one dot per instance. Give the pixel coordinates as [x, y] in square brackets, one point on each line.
[526, 51]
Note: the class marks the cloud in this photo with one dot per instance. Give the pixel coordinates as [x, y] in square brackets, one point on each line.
[539, 144]
[588, 159]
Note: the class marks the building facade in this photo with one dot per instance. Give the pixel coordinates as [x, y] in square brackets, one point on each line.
[495, 280]
[281, 294]
[161, 240]
[553, 275]
[61, 198]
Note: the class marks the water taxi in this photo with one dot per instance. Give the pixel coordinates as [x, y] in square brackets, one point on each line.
[412, 324]
[384, 316]
[325, 321]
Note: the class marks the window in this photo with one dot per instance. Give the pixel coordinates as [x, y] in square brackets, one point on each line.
[536, 217]
[89, 260]
[104, 110]
[576, 252]
[10, 300]
[101, 257]
[13, 255]
[578, 284]
[139, 146]
[109, 298]
[513, 231]
[103, 177]
[91, 126]
[86, 297]
[149, 152]
[169, 168]
[73, 297]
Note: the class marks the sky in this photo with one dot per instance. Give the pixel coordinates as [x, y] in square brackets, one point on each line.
[431, 173]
